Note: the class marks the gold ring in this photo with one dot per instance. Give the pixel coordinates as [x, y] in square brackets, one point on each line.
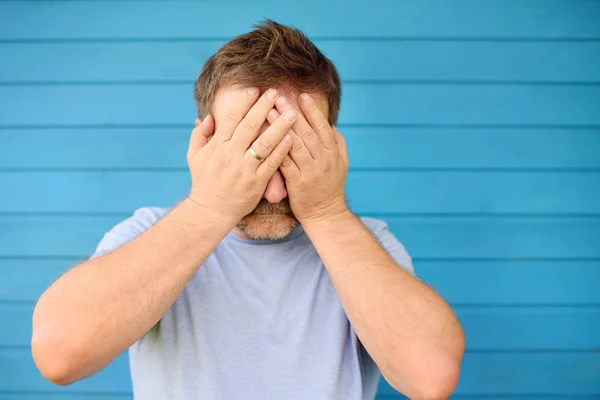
[255, 154]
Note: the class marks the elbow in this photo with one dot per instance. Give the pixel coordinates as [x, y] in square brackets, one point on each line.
[439, 381]
[54, 352]
[439, 388]
[52, 361]
[433, 386]
[434, 378]
[440, 371]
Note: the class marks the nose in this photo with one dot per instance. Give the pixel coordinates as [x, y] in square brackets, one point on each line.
[275, 191]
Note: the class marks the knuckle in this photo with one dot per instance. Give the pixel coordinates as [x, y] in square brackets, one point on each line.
[271, 163]
[297, 145]
[286, 162]
[323, 126]
[249, 125]
[264, 144]
[306, 133]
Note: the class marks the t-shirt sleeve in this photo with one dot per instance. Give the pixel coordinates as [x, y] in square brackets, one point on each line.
[390, 243]
[127, 230]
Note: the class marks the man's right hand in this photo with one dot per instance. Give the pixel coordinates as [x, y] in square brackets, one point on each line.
[226, 178]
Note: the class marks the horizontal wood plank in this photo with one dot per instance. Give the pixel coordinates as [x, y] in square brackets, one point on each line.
[464, 19]
[99, 110]
[461, 282]
[367, 191]
[23, 374]
[368, 147]
[562, 373]
[459, 237]
[486, 328]
[526, 373]
[531, 282]
[442, 60]
[363, 103]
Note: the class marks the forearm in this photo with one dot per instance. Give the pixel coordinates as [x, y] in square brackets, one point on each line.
[409, 331]
[99, 308]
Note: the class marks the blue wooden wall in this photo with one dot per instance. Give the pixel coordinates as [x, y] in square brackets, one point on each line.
[473, 128]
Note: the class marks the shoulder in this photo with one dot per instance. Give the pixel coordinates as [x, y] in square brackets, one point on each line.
[379, 228]
[376, 226]
[142, 219]
[128, 229]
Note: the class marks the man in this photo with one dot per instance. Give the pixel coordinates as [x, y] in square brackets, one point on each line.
[261, 284]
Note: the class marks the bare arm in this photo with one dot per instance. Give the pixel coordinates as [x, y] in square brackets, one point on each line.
[409, 331]
[101, 307]
[98, 309]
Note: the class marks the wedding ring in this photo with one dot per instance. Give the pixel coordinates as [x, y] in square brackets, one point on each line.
[255, 154]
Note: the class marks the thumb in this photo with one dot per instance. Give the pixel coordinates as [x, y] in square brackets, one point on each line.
[341, 142]
[201, 134]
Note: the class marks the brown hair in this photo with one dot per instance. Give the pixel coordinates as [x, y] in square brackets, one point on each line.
[272, 55]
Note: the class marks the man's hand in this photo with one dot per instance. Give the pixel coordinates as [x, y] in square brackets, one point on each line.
[226, 177]
[316, 167]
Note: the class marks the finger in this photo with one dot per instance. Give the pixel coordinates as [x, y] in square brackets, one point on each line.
[249, 128]
[268, 167]
[265, 143]
[201, 134]
[299, 153]
[302, 129]
[289, 169]
[317, 121]
[341, 144]
[237, 107]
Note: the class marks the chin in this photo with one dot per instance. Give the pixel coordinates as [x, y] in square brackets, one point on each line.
[268, 227]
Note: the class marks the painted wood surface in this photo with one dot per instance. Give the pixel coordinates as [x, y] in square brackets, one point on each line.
[473, 129]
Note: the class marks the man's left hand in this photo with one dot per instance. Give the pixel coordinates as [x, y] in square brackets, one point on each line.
[316, 167]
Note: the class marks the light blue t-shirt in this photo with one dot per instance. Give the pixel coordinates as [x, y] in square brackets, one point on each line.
[259, 320]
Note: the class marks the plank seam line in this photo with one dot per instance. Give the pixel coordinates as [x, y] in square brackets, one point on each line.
[470, 351]
[521, 260]
[351, 169]
[501, 126]
[422, 82]
[415, 215]
[315, 38]
[454, 305]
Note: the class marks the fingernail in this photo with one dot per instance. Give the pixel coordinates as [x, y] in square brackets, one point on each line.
[289, 116]
[272, 115]
[305, 98]
[281, 102]
[287, 139]
[271, 94]
[252, 91]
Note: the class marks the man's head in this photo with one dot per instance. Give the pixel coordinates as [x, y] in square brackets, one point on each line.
[271, 56]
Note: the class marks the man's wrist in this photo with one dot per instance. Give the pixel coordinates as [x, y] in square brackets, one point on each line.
[207, 215]
[329, 220]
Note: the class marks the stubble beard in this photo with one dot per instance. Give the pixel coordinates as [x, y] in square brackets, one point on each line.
[269, 221]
